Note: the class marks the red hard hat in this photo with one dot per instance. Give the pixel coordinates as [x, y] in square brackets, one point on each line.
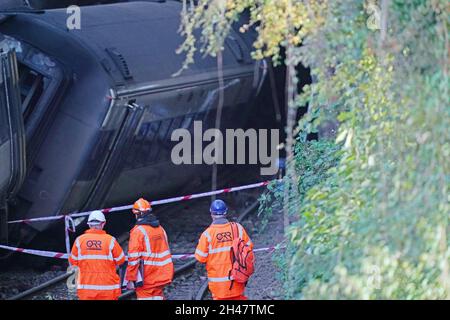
[142, 205]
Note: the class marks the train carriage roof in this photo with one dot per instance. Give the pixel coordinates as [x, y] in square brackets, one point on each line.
[134, 41]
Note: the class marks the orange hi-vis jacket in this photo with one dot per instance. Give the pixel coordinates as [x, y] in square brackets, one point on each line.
[149, 245]
[213, 249]
[97, 254]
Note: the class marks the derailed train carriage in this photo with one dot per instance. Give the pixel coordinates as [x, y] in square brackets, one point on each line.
[86, 121]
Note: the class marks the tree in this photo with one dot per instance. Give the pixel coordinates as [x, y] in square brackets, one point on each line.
[376, 225]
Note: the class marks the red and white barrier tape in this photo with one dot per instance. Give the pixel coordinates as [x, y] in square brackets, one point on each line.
[69, 225]
[153, 203]
[191, 255]
[48, 254]
[59, 255]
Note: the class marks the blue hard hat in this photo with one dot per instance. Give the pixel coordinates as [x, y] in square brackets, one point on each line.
[218, 207]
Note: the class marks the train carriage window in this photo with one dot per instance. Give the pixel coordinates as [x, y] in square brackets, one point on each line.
[164, 129]
[32, 86]
[187, 121]
[176, 123]
[146, 145]
[4, 132]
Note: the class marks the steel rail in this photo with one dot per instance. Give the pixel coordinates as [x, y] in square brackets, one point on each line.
[129, 293]
[41, 286]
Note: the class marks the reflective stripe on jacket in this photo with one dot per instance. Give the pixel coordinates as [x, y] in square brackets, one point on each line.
[213, 249]
[149, 245]
[97, 254]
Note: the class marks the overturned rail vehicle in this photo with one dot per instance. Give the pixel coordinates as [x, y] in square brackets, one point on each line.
[86, 115]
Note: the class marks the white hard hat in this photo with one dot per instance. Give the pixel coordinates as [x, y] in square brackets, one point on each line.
[96, 217]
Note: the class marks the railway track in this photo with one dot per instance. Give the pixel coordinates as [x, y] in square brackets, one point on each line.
[188, 274]
[181, 290]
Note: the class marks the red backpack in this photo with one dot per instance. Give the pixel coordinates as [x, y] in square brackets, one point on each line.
[242, 258]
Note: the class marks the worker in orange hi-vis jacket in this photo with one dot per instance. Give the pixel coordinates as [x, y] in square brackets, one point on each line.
[97, 254]
[149, 247]
[214, 248]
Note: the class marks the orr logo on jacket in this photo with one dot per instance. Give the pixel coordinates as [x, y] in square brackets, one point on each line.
[224, 237]
[94, 244]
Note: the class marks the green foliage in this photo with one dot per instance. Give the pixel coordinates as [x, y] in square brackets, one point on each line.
[270, 202]
[376, 225]
[313, 159]
[279, 23]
